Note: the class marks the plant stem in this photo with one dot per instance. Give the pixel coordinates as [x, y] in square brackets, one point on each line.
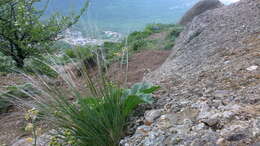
[34, 137]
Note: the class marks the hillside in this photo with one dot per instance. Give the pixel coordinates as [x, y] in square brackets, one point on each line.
[118, 15]
[147, 50]
[211, 83]
[169, 84]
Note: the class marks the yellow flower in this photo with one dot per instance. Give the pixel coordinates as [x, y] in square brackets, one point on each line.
[67, 133]
[29, 127]
[29, 139]
[34, 112]
[31, 114]
[27, 116]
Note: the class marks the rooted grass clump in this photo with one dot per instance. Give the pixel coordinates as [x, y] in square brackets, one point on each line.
[96, 114]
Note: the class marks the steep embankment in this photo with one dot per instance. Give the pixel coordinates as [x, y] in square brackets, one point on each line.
[211, 83]
[199, 8]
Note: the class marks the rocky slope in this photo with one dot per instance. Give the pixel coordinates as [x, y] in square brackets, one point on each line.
[211, 83]
[199, 8]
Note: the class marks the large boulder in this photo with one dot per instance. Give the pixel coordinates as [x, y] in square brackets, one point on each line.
[200, 7]
[210, 83]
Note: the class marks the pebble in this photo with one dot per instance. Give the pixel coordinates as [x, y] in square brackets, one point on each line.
[252, 68]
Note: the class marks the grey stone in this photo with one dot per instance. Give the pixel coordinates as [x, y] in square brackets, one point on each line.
[199, 8]
[215, 102]
[150, 116]
[221, 93]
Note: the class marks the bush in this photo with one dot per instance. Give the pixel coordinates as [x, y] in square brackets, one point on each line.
[174, 33]
[97, 119]
[138, 45]
[169, 46]
[137, 35]
[112, 49]
[80, 52]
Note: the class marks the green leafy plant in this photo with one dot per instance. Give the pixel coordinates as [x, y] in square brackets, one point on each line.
[142, 90]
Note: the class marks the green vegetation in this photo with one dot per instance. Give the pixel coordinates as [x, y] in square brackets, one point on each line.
[97, 118]
[40, 66]
[154, 37]
[23, 91]
[23, 33]
[95, 114]
[144, 40]
[6, 64]
[4, 105]
[140, 40]
[80, 52]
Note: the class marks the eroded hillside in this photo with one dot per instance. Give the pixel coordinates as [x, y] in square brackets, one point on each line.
[211, 83]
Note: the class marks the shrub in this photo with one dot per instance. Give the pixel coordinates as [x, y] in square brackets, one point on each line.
[112, 50]
[137, 35]
[138, 44]
[98, 118]
[169, 45]
[174, 33]
[80, 52]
